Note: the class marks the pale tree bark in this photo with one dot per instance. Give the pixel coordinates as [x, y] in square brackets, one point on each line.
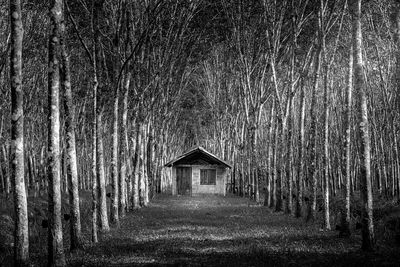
[95, 196]
[149, 167]
[279, 153]
[397, 40]
[368, 239]
[144, 167]
[268, 197]
[274, 201]
[397, 119]
[114, 162]
[300, 164]
[289, 112]
[101, 179]
[21, 233]
[345, 223]
[136, 176]
[93, 58]
[56, 255]
[325, 157]
[123, 149]
[313, 139]
[288, 173]
[72, 166]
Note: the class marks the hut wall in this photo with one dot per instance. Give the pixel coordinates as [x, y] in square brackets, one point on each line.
[173, 175]
[218, 188]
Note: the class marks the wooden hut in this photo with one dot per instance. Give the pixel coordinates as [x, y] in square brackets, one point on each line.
[199, 172]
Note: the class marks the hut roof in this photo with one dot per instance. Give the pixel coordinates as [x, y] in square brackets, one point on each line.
[199, 156]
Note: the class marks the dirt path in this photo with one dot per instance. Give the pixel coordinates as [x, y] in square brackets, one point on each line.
[230, 231]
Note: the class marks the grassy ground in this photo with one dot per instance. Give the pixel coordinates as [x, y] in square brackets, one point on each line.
[224, 231]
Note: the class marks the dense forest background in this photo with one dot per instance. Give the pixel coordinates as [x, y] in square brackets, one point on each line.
[306, 112]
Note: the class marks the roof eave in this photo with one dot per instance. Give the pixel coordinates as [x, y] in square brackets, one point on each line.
[171, 163]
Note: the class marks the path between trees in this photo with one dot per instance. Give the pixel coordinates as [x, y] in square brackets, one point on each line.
[222, 231]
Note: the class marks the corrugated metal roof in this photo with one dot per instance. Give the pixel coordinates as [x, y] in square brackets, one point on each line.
[195, 150]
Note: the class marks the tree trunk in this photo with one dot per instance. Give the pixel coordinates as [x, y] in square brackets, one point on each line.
[145, 179]
[136, 175]
[101, 179]
[300, 164]
[114, 163]
[397, 40]
[149, 168]
[345, 224]
[289, 180]
[313, 140]
[327, 224]
[123, 149]
[55, 235]
[268, 196]
[274, 167]
[95, 184]
[368, 239]
[72, 167]
[21, 234]
[396, 125]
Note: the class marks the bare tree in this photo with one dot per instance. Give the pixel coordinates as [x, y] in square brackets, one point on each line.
[368, 239]
[72, 167]
[21, 234]
[55, 235]
[345, 223]
[101, 179]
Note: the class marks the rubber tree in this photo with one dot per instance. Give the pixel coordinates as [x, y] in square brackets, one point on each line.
[363, 135]
[21, 233]
[346, 164]
[56, 255]
[72, 167]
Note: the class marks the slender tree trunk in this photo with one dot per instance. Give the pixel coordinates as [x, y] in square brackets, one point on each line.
[274, 168]
[268, 197]
[313, 140]
[145, 179]
[278, 174]
[21, 233]
[327, 224]
[6, 171]
[397, 40]
[345, 225]
[396, 125]
[101, 179]
[289, 180]
[300, 164]
[136, 178]
[95, 185]
[114, 163]
[72, 167]
[95, 195]
[149, 168]
[123, 150]
[368, 239]
[55, 235]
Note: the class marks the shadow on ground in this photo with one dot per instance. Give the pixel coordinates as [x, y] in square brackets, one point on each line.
[223, 231]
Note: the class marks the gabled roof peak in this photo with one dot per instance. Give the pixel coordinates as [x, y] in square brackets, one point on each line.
[203, 151]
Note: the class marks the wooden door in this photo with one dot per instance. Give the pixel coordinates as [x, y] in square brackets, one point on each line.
[184, 180]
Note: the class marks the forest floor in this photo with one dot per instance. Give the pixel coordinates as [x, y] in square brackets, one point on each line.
[224, 231]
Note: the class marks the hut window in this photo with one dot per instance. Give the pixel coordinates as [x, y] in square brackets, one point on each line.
[207, 177]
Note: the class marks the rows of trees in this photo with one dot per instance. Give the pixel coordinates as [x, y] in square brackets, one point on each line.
[308, 109]
[301, 96]
[115, 73]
